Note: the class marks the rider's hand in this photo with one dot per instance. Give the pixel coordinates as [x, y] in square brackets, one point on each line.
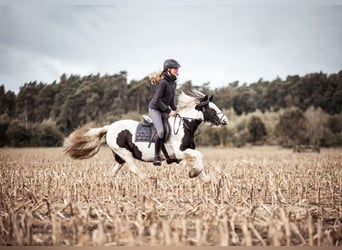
[173, 113]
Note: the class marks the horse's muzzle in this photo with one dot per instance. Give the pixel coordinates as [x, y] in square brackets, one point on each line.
[220, 123]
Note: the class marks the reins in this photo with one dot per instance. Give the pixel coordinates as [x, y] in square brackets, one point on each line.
[181, 118]
[179, 124]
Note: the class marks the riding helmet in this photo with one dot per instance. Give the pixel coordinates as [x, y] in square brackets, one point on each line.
[171, 63]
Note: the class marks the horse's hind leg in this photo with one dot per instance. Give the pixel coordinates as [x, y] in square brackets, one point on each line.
[127, 157]
[117, 165]
[115, 168]
[134, 168]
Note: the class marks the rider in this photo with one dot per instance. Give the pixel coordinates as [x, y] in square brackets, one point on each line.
[163, 102]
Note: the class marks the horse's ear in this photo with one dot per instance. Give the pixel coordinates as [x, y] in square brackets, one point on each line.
[202, 104]
[211, 98]
[204, 98]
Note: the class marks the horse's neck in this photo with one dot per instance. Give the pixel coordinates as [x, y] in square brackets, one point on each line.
[189, 113]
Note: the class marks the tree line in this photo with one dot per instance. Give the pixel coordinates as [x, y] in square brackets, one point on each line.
[42, 114]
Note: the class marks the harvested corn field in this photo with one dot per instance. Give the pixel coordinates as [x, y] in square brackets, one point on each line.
[257, 196]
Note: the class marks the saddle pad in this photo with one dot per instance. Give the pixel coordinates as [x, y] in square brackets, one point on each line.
[143, 133]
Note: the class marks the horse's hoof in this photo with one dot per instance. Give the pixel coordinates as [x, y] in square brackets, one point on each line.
[194, 172]
[172, 161]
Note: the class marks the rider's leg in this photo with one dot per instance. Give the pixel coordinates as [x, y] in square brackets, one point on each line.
[157, 160]
[158, 124]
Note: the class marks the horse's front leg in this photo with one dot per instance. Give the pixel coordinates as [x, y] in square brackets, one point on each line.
[195, 159]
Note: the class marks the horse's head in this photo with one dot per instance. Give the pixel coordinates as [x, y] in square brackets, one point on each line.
[203, 107]
[211, 113]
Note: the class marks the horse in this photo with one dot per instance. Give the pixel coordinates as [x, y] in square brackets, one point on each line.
[193, 108]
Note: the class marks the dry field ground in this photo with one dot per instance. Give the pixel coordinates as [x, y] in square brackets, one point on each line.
[257, 196]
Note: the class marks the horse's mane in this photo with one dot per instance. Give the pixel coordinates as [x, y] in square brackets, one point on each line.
[189, 98]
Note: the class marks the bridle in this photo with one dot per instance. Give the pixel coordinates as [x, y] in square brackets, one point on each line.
[182, 118]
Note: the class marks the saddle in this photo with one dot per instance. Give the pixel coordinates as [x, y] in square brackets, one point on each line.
[146, 132]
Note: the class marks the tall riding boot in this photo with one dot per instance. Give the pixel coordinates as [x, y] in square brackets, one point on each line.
[157, 160]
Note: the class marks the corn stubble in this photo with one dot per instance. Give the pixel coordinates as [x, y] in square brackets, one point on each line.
[257, 197]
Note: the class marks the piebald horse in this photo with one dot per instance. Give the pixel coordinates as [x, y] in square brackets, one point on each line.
[193, 108]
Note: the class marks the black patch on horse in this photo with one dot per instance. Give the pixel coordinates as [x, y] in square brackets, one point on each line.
[124, 140]
[118, 158]
[188, 141]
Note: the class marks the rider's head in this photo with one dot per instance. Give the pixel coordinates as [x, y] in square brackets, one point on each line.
[171, 66]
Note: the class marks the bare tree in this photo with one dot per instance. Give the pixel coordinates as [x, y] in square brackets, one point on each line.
[316, 120]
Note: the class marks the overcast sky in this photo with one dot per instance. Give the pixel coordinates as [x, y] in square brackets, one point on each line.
[214, 41]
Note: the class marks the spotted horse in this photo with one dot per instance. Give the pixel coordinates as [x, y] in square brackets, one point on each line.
[193, 108]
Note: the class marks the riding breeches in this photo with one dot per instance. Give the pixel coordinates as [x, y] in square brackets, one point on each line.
[157, 121]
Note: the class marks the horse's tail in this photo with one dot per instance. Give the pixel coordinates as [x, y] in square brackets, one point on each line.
[84, 143]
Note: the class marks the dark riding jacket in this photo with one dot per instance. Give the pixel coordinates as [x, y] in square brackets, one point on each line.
[164, 95]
